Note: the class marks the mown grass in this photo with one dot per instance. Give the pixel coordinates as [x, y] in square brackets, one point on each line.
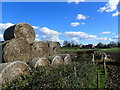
[74, 50]
[107, 49]
[111, 50]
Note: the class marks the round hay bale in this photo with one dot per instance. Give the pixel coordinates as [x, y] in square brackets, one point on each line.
[40, 49]
[20, 30]
[66, 58]
[57, 60]
[39, 62]
[12, 70]
[54, 48]
[17, 50]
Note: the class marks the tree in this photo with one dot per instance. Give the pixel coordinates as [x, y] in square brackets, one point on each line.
[113, 44]
[100, 45]
[66, 44]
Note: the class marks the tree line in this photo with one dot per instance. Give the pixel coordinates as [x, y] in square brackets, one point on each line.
[112, 44]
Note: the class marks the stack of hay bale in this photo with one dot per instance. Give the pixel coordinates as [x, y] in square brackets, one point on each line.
[20, 48]
[16, 52]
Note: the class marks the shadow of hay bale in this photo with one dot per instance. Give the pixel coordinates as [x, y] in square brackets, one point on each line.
[20, 30]
[66, 58]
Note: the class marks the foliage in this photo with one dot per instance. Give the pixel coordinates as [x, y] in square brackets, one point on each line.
[71, 44]
[78, 75]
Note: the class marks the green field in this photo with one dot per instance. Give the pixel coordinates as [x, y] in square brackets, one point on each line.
[108, 49]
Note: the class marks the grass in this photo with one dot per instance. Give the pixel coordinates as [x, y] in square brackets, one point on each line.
[77, 75]
[108, 50]
[74, 50]
[111, 50]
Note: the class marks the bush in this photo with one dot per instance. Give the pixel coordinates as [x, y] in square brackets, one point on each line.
[80, 75]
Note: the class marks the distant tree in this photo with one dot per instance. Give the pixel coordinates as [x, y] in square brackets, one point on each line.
[100, 45]
[66, 44]
[118, 44]
[113, 44]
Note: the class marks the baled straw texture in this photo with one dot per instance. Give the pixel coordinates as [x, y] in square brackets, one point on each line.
[54, 48]
[57, 60]
[20, 30]
[39, 62]
[40, 50]
[17, 50]
[66, 58]
[12, 70]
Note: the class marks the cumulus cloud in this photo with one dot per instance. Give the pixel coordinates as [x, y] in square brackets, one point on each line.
[110, 6]
[76, 1]
[116, 37]
[80, 35]
[75, 40]
[81, 17]
[116, 13]
[37, 35]
[1, 37]
[4, 26]
[37, 39]
[106, 32]
[102, 38]
[76, 36]
[75, 24]
[35, 27]
[49, 35]
[110, 39]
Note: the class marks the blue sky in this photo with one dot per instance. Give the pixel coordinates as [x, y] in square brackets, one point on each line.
[58, 21]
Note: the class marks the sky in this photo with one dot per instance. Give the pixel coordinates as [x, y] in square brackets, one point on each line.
[75, 20]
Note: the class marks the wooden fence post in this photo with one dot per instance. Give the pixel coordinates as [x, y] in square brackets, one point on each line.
[104, 66]
[93, 58]
[75, 72]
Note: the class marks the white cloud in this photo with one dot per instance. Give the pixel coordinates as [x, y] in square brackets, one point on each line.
[110, 39]
[76, 1]
[75, 40]
[106, 32]
[81, 17]
[37, 39]
[37, 35]
[35, 27]
[110, 6]
[77, 36]
[49, 35]
[1, 37]
[102, 38]
[75, 24]
[4, 26]
[116, 13]
[80, 35]
[116, 37]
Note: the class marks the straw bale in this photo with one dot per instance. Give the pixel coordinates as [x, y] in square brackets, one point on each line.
[39, 62]
[54, 48]
[66, 58]
[12, 70]
[20, 30]
[40, 50]
[17, 50]
[56, 60]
